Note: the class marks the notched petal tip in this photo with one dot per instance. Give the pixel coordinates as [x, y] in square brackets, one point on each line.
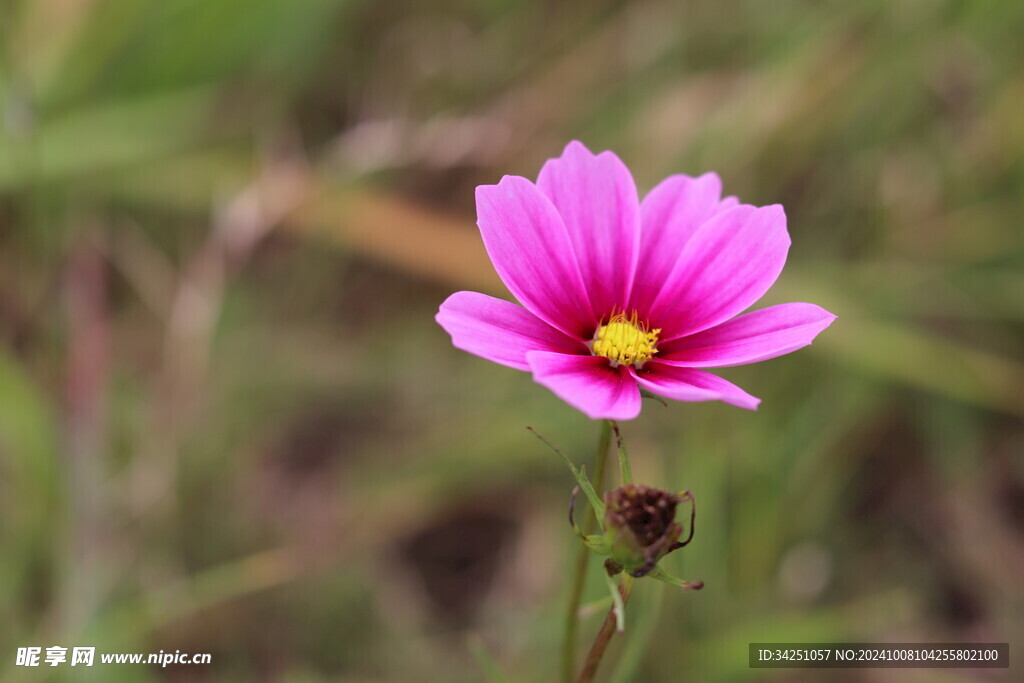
[749, 338]
[576, 147]
[753, 404]
[740, 398]
[709, 182]
[575, 152]
[500, 189]
[826, 321]
[774, 218]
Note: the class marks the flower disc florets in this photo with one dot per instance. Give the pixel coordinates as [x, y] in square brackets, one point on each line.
[625, 340]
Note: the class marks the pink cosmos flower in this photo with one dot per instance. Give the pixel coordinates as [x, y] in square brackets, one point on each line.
[620, 295]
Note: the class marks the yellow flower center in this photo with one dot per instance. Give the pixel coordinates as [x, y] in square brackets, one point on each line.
[625, 340]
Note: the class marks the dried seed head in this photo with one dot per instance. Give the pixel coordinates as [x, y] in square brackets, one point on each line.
[640, 526]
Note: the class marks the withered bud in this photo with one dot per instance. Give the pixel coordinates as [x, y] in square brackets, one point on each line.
[640, 526]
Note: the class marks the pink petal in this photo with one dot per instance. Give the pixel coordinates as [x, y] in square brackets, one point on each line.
[588, 383]
[728, 264]
[499, 330]
[531, 250]
[669, 216]
[749, 338]
[686, 384]
[597, 199]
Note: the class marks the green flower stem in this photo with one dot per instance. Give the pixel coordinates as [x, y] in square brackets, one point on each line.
[580, 572]
[624, 469]
[645, 613]
[604, 636]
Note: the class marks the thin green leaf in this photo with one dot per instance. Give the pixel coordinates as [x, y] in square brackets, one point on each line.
[618, 605]
[581, 477]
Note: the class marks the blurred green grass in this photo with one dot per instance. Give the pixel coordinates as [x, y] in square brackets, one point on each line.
[228, 414]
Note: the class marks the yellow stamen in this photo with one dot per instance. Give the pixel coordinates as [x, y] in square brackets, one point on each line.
[625, 340]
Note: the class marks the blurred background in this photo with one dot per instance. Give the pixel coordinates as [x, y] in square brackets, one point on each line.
[230, 424]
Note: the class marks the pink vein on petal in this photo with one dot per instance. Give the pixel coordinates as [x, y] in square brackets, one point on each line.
[749, 338]
[670, 214]
[728, 264]
[530, 248]
[597, 199]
